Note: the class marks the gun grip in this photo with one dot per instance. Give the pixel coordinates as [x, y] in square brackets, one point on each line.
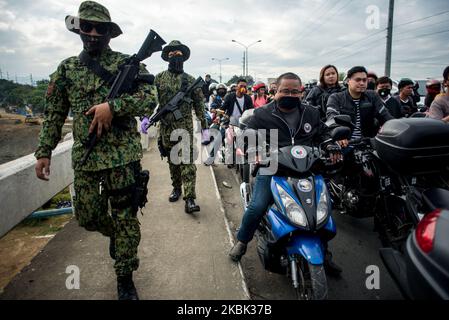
[177, 114]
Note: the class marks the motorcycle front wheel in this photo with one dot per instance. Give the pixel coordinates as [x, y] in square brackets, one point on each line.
[312, 281]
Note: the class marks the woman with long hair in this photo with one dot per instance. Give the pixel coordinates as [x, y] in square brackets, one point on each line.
[328, 85]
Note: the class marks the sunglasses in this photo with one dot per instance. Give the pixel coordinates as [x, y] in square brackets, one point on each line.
[101, 28]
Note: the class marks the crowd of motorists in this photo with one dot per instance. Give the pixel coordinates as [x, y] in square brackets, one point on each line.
[402, 98]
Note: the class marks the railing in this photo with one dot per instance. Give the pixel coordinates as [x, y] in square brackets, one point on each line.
[21, 193]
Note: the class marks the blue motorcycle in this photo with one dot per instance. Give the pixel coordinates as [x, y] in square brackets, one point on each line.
[293, 235]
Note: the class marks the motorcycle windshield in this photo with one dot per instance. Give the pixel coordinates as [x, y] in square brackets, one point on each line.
[297, 158]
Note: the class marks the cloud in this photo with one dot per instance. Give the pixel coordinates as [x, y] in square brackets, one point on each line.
[299, 36]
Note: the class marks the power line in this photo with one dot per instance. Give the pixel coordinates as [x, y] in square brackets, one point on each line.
[333, 16]
[410, 22]
[354, 53]
[348, 45]
[303, 34]
[422, 27]
[422, 35]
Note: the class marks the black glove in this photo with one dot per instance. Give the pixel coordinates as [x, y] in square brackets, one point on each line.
[334, 152]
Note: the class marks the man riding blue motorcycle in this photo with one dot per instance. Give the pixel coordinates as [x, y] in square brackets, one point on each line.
[297, 124]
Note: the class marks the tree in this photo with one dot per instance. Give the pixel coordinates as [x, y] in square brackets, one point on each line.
[235, 78]
[15, 94]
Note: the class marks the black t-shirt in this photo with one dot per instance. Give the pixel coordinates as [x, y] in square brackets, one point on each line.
[292, 119]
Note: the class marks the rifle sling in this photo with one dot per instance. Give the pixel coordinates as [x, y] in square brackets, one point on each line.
[94, 66]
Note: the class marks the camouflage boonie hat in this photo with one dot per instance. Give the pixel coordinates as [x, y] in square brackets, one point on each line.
[92, 11]
[175, 45]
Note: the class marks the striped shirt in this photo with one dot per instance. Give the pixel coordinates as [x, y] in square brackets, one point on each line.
[357, 134]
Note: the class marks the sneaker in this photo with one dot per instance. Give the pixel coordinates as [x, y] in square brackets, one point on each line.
[238, 251]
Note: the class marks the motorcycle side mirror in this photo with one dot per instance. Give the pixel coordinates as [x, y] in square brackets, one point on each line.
[344, 120]
[340, 133]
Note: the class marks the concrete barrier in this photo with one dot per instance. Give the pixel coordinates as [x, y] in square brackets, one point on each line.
[21, 192]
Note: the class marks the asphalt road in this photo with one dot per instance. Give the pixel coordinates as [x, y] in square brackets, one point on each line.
[355, 248]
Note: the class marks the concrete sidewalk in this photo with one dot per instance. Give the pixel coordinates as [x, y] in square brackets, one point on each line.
[181, 256]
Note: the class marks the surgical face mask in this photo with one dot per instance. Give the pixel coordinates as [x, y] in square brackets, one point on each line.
[95, 44]
[289, 102]
[384, 92]
[176, 64]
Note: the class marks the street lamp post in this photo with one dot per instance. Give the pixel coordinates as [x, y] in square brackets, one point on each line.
[246, 52]
[219, 61]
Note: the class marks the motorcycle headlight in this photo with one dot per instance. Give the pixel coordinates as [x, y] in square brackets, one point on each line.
[294, 211]
[323, 206]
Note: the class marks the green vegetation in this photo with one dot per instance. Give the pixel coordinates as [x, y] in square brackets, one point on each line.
[19, 95]
[236, 78]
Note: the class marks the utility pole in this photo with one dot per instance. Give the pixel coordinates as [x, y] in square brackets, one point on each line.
[16, 77]
[1, 74]
[31, 79]
[389, 38]
[7, 75]
[219, 61]
[244, 64]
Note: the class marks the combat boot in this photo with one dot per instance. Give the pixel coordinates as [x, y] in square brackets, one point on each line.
[174, 195]
[191, 206]
[125, 288]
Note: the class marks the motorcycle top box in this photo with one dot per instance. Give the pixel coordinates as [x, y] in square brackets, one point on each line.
[414, 145]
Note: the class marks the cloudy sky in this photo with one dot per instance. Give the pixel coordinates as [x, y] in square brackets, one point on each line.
[298, 36]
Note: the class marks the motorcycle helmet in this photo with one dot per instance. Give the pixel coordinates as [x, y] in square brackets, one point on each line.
[259, 85]
[212, 87]
[221, 89]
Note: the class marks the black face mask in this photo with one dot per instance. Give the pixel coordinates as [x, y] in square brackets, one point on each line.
[384, 92]
[289, 102]
[371, 86]
[176, 64]
[94, 45]
[221, 93]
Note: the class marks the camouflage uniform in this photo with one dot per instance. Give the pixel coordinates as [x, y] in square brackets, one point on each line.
[168, 84]
[109, 172]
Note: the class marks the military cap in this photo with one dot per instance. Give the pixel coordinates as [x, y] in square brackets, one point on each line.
[95, 12]
[173, 46]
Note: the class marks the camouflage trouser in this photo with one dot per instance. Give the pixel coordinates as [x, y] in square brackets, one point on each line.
[182, 175]
[91, 210]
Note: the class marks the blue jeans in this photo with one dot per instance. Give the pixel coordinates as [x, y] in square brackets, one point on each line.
[260, 200]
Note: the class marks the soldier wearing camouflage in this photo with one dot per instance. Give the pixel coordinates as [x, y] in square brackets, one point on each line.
[110, 171]
[168, 83]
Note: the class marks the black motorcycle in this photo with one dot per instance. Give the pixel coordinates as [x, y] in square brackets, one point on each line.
[396, 177]
[422, 271]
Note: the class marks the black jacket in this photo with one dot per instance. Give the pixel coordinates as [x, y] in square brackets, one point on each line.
[318, 97]
[310, 131]
[394, 107]
[229, 103]
[408, 108]
[371, 108]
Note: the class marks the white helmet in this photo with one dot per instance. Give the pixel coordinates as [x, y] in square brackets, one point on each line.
[212, 86]
[221, 86]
